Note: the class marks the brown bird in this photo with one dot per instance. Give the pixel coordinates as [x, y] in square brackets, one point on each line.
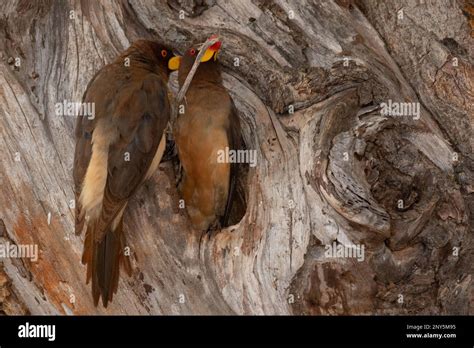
[207, 127]
[116, 151]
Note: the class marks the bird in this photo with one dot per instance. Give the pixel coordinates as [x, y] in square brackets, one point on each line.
[116, 151]
[208, 125]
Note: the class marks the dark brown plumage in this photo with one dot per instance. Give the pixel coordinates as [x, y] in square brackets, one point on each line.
[208, 125]
[115, 152]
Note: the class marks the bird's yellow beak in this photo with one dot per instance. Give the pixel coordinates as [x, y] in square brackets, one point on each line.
[211, 52]
[173, 63]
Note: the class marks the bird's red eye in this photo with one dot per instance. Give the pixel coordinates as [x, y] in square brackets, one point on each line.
[164, 53]
[192, 51]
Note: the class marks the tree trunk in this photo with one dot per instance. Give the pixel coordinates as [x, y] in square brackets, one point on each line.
[308, 79]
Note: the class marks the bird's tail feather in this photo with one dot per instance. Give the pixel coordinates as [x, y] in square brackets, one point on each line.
[103, 261]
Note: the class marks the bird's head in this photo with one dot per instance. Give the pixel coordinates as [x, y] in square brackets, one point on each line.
[164, 55]
[150, 51]
[185, 62]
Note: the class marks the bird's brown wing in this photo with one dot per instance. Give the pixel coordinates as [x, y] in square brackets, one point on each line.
[236, 143]
[138, 113]
[141, 119]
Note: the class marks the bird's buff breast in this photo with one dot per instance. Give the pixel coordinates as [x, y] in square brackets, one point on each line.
[205, 184]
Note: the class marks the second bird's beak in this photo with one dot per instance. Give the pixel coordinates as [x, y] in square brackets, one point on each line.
[211, 52]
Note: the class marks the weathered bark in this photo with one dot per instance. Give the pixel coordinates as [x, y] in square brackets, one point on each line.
[308, 84]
